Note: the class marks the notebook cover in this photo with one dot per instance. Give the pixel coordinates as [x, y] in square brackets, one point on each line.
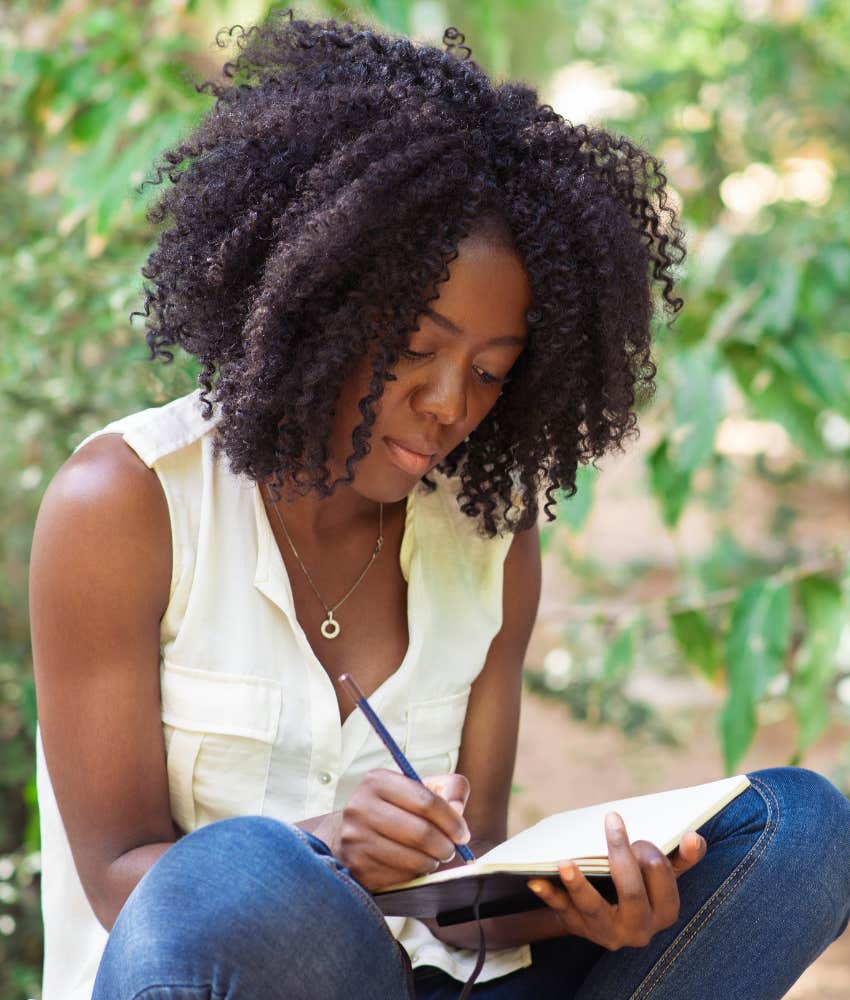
[452, 902]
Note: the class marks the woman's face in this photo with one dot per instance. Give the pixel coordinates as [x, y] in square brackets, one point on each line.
[458, 360]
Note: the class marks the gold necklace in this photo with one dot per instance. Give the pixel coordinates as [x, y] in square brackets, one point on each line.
[330, 628]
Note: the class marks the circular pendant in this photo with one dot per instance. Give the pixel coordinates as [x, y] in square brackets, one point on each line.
[330, 627]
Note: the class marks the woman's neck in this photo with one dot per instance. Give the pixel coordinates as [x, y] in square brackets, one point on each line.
[324, 519]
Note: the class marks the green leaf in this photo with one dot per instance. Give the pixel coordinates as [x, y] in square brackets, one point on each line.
[670, 484]
[103, 21]
[27, 71]
[74, 82]
[576, 509]
[837, 260]
[697, 641]
[394, 14]
[697, 406]
[756, 647]
[618, 658]
[772, 394]
[90, 122]
[727, 564]
[32, 831]
[814, 664]
[826, 377]
[777, 308]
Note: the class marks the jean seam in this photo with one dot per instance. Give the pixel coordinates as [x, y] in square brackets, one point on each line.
[375, 910]
[213, 994]
[333, 863]
[724, 891]
[301, 834]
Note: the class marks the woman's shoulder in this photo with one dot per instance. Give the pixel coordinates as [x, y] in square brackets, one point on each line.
[452, 543]
[103, 508]
[114, 495]
[443, 517]
[157, 431]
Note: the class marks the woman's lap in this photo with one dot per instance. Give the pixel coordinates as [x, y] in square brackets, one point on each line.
[206, 922]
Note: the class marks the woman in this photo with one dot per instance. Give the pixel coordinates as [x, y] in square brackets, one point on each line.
[426, 299]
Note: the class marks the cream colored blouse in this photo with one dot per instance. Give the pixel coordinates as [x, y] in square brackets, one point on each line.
[249, 716]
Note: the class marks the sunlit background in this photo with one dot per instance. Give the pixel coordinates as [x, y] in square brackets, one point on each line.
[696, 594]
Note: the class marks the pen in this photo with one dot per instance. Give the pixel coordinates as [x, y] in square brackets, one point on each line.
[351, 686]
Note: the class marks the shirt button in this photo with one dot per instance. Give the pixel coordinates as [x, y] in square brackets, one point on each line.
[325, 778]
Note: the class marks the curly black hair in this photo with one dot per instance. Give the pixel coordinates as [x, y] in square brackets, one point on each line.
[318, 204]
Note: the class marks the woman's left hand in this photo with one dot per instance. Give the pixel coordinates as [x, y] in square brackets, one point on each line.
[647, 895]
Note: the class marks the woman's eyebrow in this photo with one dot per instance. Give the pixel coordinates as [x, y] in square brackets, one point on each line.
[447, 324]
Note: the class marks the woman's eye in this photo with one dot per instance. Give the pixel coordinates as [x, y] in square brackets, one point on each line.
[484, 377]
[489, 379]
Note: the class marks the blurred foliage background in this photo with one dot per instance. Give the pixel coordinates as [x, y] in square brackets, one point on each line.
[744, 100]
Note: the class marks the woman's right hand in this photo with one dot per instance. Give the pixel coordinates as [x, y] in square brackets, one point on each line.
[393, 829]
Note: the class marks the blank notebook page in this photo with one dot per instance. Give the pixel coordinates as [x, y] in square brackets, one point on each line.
[661, 818]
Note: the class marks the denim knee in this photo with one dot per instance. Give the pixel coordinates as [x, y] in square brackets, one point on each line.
[259, 866]
[241, 899]
[812, 837]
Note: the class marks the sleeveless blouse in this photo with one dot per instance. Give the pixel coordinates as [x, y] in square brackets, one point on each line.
[250, 719]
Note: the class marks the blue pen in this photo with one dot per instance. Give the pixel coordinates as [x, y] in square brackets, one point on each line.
[351, 686]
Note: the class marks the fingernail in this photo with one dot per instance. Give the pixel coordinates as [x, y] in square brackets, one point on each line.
[464, 835]
[535, 886]
[568, 873]
[614, 826]
[451, 857]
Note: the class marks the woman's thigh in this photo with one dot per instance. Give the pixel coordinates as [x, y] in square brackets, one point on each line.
[249, 907]
[771, 893]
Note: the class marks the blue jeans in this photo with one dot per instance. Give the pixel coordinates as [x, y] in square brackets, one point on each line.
[251, 909]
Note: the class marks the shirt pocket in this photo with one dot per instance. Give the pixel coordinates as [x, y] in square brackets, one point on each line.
[219, 732]
[434, 729]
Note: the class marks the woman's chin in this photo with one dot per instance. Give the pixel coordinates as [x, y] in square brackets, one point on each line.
[385, 484]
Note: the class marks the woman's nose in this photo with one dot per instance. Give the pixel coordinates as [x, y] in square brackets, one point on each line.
[442, 396]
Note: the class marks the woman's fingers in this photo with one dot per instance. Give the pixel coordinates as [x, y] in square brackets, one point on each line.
[634, 909]
[384, 862]
[432, 805]
[560, 901]
[418, 800]
[386, 819]
[691, 850]
[580, 908]
[394, 828]
[647, 894]
[660, 883]
[586, 900]
[454, 788]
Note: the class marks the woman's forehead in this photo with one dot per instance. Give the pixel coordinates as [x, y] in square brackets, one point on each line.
[487, 287]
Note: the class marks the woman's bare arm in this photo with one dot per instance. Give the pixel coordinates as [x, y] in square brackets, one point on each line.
[488, 746]
[100, 576]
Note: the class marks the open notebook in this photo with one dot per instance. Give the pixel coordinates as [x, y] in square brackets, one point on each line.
[497, 880]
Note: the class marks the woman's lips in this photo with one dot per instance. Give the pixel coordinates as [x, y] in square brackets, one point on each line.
[413, 462]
